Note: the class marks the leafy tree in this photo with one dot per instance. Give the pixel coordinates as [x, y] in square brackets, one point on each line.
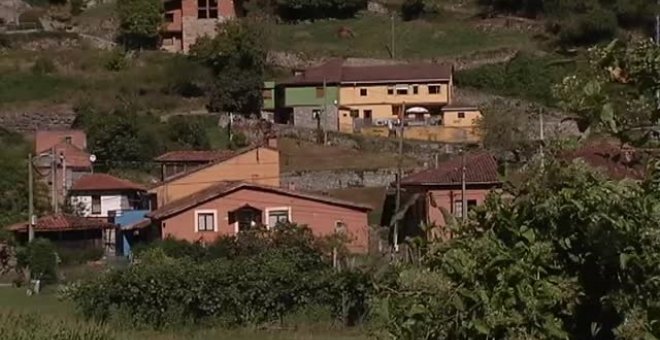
[617, 93]
[568, 255]
[237, 58]
[318, 9]
[140, 22]
[188, 132]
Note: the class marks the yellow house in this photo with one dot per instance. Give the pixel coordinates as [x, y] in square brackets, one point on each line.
[259, 164]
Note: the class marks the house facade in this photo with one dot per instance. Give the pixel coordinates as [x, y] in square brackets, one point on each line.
[60, 160]
[428, 193]
[187, 20]
[256, 164]
[229, 207]
[101, 195]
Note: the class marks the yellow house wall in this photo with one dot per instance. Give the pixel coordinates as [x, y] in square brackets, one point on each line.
[377, 112]
[261, 165]
[349, 94]
[431, 133]
[450, 118]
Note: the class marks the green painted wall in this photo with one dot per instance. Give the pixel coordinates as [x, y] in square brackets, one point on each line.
[269, 104]
[306, 96]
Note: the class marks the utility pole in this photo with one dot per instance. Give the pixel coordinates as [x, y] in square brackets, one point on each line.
[30, 200]
[392, 53]
[399, 174]
[541, 137]
[325, 109]
[463, 196]
[53, 180]
[64, 186]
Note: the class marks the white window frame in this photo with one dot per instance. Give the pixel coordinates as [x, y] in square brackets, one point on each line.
[267, 213]
[206, 211]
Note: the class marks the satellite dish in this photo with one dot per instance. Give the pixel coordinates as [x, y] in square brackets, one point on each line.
[92, 158]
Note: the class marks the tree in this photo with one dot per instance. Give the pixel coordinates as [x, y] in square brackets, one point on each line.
[318, 9]
[140, 22]
[617, 93]
[237, 59]
[188, 132]
[568, 255]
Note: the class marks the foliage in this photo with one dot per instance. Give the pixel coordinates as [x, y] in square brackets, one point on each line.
[569, 255]
[412, 9]
[73, 256]
[77, 7]
[237, 59]
[43, 65]
[42, 260]
[318, 9]
[191, 83]
[524, 76]
[116, 61]
[140, 22]
[17, 326]
[617, 92]
[508, 132]
[188, 132]
[256, 277]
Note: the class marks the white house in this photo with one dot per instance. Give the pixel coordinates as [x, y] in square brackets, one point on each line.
[96, 195]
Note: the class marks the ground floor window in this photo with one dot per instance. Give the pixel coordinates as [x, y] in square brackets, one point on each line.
[278, 216]
[206, 220]
[245, 218]
[458, 207]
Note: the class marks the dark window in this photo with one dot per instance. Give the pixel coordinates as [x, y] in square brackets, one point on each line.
[434, 89]
[402, 90]
[169, 17]
[205, 222]
[363, 92]
[67, 139]
[415, 89]
[390, 90]
[276, 217]
[367, 114]
[246, 218]
[320, 92]
[207, 9]
[96, 205]
[461, 115]
[355, 113]
[458, 207]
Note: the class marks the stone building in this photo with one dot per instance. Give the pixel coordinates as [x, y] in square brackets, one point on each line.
[187, 20]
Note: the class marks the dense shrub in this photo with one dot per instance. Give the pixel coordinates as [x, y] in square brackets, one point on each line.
[72, 256]
[318, 9]
[43, 65]
[116, 61]
[16, 326]
[588, 28]
[412, 9]
[255, 278]
[41, 258]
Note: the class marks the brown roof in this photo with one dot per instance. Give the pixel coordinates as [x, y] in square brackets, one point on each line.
[62, 222]
[333, 72]
[480, 168]
[614, 160]
[225, 157]
[194, 155]
[226, 187]
[104, 182]
[46, 139]
[73, 156]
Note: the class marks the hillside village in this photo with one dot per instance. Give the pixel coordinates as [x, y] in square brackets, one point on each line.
[405, 169]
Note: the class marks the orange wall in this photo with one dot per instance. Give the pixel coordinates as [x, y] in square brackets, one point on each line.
[445, 199]
[320, 217]
[261, 165]
[377, 94]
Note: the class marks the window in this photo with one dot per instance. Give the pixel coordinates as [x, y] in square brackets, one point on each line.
[277, 216]
[207, 9]
[390, 90]
[415, 89]
[355, 113]
[169, 17]
[367, 114]
[340, 227]
[320, 92]
[67, 139]
[96, 205]
[461, 115]
[458, 207]
[434, 89]
[402, 90]
[245, 218]
[206, 220]
[267, 94]
[363, 92]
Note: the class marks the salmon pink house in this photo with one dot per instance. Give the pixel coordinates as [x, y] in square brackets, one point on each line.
[230, 207]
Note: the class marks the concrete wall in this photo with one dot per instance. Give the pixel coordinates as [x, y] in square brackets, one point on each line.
[450, 117]
[303, 116]
[320, 217]
[108, 203]
[261, 165]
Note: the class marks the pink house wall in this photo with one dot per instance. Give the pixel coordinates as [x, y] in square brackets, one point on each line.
[445, 199]
[318, 216]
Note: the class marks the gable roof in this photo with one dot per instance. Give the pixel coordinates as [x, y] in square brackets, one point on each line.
[334, 72]
[480, 168]
[227, 187]
[194, 155]
[73, 156]
[46, 139]
[615, 161]
[104, 182]
[229, 155]
[62, 222]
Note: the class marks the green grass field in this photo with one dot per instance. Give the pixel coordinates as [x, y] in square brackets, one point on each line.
[47, 305]
[446, 35]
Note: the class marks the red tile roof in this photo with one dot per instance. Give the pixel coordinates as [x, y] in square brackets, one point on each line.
[615, 161]
[194, 156]
[333, 72]
[62, 222]
[224, 188]
[73, 156]
[104, 182]
[480, 168]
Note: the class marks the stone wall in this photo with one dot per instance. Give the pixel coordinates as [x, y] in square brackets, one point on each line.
[52, 118]
[337, 179]
[304, 117]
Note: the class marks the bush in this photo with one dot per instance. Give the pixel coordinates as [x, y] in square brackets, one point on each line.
[35, 327]
[43, 65]
[412, 9]
[73, 256]
[41, 258]
[77, 7]
[319, 9]
[588, 28]
[117, 61]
